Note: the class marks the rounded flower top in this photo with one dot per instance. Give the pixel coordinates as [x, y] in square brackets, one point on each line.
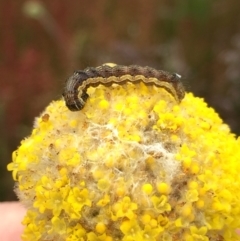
[133, 164]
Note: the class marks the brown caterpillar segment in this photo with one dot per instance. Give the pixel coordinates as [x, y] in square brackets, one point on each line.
[75, 91]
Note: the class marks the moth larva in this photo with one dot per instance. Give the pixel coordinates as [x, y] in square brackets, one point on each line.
[75, 91]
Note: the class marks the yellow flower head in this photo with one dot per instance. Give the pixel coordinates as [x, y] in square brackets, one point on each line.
[133, 164]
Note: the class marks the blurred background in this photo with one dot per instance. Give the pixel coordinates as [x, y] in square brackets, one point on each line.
[43, 42]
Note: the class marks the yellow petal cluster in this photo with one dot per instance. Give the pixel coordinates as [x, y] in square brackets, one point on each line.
[131, 165]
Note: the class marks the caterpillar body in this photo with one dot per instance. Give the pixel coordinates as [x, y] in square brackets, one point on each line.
[75, 91]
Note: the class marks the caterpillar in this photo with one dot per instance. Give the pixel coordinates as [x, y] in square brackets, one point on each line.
[75, 90]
